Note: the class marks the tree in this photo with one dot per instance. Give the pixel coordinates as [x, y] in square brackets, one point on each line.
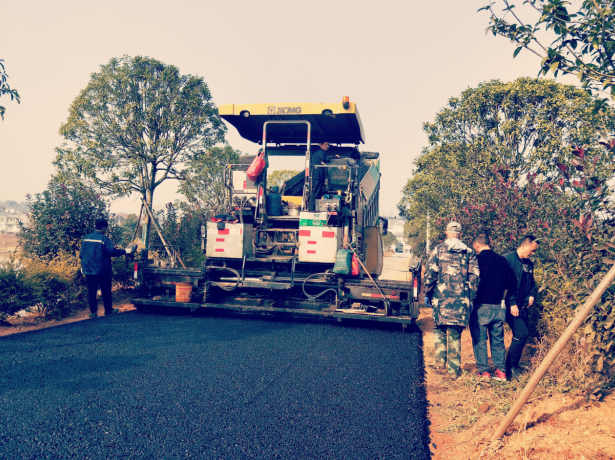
[134, 126]
[59, 219]
[279, 176]
[581, 37]
[6, 89]
[181, 227]
[389, 240]
[205, 178]
[509, 212]
[415, 235]
[128, 228]
[580, 255]
[519, 128]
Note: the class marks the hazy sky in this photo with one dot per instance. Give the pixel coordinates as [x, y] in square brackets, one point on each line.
[398, 60]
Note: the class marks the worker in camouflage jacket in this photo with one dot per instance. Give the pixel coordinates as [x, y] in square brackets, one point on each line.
[451, 282]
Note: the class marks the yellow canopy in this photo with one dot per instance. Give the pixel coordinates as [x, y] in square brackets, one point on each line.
[328, 122]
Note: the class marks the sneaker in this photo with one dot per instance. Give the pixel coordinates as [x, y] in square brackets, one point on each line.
[93, 315]
[112, 312]
[499, 375]
[484, 375]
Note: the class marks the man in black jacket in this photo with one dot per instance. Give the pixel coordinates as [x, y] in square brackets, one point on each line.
[519, 301]
[96, 252]
[489, 313]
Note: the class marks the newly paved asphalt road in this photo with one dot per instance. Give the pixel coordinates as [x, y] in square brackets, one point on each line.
[182, 386]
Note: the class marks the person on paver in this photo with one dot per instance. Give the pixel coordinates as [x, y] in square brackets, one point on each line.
[489, 312]
[96, 252]
[451, 280]
[519, 300]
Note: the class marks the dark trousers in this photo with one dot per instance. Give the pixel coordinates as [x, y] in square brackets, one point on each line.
[104, 283]
[318, 188]
[521, 333]
[487, 321]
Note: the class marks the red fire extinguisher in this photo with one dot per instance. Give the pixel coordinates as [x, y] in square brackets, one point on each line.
[256, 167]
[354, 265]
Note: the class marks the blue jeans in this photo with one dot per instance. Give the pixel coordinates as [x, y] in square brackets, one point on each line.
[487, 320]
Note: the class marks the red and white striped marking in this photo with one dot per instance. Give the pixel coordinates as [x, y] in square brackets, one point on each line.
[227, 242]
[319, 244]
[231, 231]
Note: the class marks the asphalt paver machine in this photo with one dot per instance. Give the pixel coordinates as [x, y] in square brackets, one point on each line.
[284, 258]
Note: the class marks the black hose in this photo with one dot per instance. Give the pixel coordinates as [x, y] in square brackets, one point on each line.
[323, 292]
[232, 288]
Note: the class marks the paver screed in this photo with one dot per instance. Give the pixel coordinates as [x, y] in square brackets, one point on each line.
[183, 386]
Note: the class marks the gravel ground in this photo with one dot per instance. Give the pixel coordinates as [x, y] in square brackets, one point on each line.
[182, 386]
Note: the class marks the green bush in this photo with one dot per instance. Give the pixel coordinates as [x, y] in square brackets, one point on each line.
[53, 288]
[56, 285]
[123, 274]
[59, 219]
[16, 290]
[572, 216]
[181, 228]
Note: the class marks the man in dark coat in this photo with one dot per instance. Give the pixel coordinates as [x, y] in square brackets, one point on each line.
[451, 281]
[96, 252]
[489, 313]
[519, 301]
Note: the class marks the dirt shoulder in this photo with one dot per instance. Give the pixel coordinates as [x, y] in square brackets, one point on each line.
[33, 322]
[553, 425]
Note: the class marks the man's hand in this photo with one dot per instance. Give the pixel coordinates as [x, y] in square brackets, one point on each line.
[130, 248]
[514, 310]
[530, 301]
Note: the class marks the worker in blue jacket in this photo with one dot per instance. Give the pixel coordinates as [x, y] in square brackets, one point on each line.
[96, 252]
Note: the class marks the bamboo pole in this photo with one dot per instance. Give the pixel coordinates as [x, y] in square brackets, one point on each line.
[166, 246]
[138, 223]
[557, 348]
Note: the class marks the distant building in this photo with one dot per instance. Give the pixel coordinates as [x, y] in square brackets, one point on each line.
[9, 220]
[396, 227]
[117, 219]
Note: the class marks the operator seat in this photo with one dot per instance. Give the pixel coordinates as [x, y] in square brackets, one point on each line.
[338, 175]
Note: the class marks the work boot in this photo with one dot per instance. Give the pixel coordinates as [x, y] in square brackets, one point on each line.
[93, 315]
[112, 312]
[439, 367]
[515, 373]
